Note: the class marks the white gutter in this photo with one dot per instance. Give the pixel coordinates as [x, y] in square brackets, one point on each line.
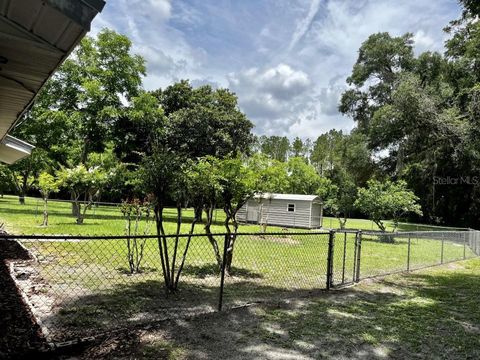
[13, 149]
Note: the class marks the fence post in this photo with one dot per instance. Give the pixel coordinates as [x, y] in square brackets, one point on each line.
[331, 244]
[408, 254]
[355, 246]
[464, 246]
[441, 256]
[474, 242]
[222, 274]
[344, 256]
[359, 255]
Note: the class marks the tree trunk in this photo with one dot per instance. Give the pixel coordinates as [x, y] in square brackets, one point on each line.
[385, 237]
[45, 213]
[21, 199]
[211, 238]
[198, 212]
[230, 216]
[182, 263]
[175, 249]
[75, 205]
[162, 247]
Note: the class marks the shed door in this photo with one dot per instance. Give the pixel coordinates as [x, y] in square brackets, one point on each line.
[252, 213]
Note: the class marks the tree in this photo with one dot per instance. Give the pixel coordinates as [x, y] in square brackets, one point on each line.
[387, 200]
[271, 175]
[229, 183]
[341, 199]
[164, 179]
[138, 129]
[83, 184]
[204, 121]
[302, 178]
[325, 152]
[237, 183]
[204, 195]
[91, 86]
[24, 173]
[297, 148]
[47, 184]
[5, 180]
[136, 211]
[380, 57]
[419, 116]
[275, 147]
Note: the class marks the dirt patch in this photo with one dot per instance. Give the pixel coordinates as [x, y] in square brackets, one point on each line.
[280, 240]
[19, 334]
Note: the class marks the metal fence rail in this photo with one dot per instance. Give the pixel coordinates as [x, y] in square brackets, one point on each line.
[81, 285]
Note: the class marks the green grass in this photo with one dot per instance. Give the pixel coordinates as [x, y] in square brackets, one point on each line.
[430, 314]
[364, 224]
[100, 220]
[108, 220]
[92, 289]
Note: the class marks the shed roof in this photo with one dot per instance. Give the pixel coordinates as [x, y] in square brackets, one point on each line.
[297, 197]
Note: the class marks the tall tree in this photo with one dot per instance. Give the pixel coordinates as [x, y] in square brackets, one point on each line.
[417, 114]
[276, 147]
[302, 177]
[203, 121]
[93, 86]
[380, 57]
[297, 148]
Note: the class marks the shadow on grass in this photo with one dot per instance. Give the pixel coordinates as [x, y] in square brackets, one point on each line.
[202, 271]
[397, 240]
[142, 270]
[432, 315]
[146, 301]
[427, 315]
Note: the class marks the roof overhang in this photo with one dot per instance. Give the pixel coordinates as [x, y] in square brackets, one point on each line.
[13, 149]
[36, 36]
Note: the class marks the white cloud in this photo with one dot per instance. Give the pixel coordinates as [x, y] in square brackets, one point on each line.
[286, 60]
[304, 24]
[162, 7]
[281, 98]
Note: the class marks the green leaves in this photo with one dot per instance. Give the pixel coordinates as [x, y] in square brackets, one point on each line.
[47, 184]
[385, 200]
[204, 121]
[82, 180]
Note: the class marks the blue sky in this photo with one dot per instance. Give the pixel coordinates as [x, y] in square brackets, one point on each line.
[286, 60]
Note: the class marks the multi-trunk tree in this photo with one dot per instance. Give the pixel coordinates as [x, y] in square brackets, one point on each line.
[84, 184]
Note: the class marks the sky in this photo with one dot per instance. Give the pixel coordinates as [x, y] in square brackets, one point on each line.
[287, 60]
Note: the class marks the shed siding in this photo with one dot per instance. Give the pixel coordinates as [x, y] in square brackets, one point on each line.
[316, 215]
[275, 212]
[242, 214]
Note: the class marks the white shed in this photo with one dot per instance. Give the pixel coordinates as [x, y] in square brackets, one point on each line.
[288, 210]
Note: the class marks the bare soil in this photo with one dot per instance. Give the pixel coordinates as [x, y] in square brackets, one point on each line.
[20, 336]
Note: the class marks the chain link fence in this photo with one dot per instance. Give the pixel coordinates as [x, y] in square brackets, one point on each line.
[79, 286]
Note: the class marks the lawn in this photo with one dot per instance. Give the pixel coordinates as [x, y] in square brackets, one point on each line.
[82, 286]
[108, 220]
[79, 287]
[431, 314]
[100, 220]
